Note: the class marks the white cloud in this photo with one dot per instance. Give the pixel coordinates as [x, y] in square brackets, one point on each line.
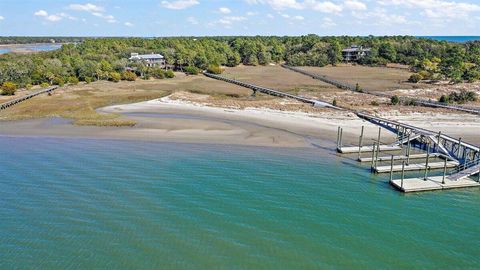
[325, 7]
[270, 16]
[354, 5]
[53, 18]
[251, 13]
[327, 23]
[179, 4]
[86, 7]
[41, 13]
[224, 10]
[128, 24]
[2, 18]
[192, 20]
[436, 8]
[299, 18]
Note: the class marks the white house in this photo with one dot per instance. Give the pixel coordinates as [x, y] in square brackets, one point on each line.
[150, 60]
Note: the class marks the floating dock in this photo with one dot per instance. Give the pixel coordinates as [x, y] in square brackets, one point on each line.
[388, 158]
[364, 149]
[432, 183]
[416, 167]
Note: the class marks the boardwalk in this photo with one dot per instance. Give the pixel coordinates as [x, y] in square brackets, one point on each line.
[15, 101]
[272, 92]
[422, 102]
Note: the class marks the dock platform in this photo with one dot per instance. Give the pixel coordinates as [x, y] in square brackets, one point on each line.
[364, 149]
[396, 158]
[416, 167]
[431, 184]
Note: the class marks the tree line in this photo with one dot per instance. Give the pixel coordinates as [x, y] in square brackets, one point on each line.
[106, 58]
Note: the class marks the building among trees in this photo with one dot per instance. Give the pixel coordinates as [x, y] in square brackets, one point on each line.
[150, 60]
[354, 53]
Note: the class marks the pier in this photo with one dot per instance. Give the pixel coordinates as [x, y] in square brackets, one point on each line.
[346, 86]
[272, 92]
[462, 156]
[15, 101]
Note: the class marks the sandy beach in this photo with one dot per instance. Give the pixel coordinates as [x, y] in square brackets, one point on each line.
[178, 120]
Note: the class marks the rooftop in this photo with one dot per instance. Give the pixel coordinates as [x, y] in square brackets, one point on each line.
[136, 56]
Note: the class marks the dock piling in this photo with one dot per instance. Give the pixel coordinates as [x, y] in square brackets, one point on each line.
[444, 170]
[376, 155]
[426, 163]
[338, 138]
[373, 156]
[360, 142]
[391, 169]
[403, 173]
[341, 137]
[408, 150]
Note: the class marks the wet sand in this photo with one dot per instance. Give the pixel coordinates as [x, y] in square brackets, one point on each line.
[182, 121]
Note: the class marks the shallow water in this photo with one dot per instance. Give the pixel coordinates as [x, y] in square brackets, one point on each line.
[30, 47]
[83, 204]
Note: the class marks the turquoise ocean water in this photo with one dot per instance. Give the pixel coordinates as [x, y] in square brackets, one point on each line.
[99, 204]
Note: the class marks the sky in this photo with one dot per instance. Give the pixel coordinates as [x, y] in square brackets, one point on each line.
[152, 18]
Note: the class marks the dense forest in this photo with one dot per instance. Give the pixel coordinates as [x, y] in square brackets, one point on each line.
[106, 58]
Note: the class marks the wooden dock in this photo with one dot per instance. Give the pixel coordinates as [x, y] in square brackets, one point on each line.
[432, 183]
[364, 149]
[396, 158]
[416, 167]
[15, 101]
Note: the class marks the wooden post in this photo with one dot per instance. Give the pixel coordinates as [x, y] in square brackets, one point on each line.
[379, 134]
[391, 169]
[373, 156]
[438, 141]
[376, 155]
[459, 145]
[444, 170]
[408, 150]
[338, 138]
[403, 173]
[426, 163]
[360, 144]
[341, 137]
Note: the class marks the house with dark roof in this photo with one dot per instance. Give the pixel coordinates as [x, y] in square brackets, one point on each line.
[354, 53]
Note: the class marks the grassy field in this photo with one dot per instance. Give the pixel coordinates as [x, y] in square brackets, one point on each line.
[80, 102]
[279, 78]
[371, 78]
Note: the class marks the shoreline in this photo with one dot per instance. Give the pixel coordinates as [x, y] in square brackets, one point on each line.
[176, 120]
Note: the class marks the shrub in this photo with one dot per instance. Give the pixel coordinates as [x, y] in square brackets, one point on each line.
[463, 96]
[425, 74]
[444, 99]
[28, 86]
[214, 69]
[395, 100]
[44, 85]
[58, 81]
[88, 79]
[357, 88]
[73, 80]
[114, 76]
[415, 78]
[334, 103]
[158, 73]
[169, 74]
[9, 88]
[192, 70]
[129, 76]
[374, 103]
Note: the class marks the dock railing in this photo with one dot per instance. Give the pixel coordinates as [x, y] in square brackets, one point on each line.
[12, 102]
